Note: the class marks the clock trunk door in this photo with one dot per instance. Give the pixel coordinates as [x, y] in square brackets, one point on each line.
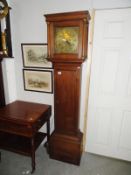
[66, 99]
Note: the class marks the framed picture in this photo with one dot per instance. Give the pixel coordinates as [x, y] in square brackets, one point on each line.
[38, 80]
[35, 55]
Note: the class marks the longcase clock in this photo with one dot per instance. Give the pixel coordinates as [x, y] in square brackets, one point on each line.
[67, 49]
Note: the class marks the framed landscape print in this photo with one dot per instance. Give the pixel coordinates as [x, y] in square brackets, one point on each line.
[38, 80]
[35, 55]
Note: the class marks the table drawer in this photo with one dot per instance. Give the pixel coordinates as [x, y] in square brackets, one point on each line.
[20, 129]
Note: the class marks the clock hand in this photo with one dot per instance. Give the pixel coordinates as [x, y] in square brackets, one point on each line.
[67, 41]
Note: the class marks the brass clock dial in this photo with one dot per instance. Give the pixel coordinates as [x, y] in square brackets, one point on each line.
[66, 40]
[67, 36]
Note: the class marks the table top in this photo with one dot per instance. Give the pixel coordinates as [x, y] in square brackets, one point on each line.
[21, 111]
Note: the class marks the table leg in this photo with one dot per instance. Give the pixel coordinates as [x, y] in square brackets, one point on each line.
[48, 130]
[0, 156]
[33, 154]
[48, 133]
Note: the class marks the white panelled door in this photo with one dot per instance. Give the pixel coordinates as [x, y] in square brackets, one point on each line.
[109, 110]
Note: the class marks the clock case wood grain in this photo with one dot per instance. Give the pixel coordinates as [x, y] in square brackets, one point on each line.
[66, 141]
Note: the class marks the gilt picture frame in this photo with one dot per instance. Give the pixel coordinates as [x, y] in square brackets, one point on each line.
[38, 80]
[35, 55]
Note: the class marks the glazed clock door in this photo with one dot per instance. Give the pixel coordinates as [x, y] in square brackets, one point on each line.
[67, 82]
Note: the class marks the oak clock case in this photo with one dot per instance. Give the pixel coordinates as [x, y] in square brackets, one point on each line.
[67, 49]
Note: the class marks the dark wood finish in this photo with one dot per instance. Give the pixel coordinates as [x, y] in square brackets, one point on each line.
[67, 97]
[66, 148]
[19, 144]
[19, 125]
[66, 141]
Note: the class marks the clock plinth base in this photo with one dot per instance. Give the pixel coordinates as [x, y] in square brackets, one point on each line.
[66, 148]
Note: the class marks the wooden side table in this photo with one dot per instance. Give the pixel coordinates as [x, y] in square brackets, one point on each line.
[19, 125]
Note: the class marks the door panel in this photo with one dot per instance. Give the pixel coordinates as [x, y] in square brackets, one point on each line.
[67, 99]
[109, 110]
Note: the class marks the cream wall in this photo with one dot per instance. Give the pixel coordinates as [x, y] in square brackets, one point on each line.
[28, 26]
